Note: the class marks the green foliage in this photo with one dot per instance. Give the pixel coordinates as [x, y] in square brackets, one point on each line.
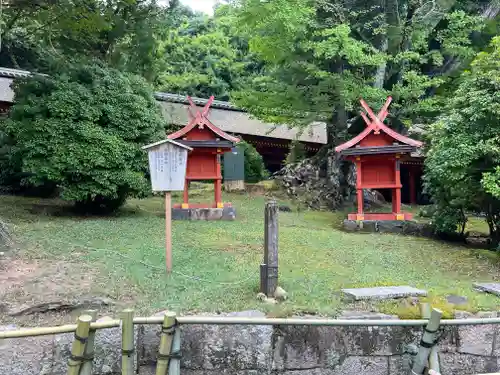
[322, 56]
[204, 57]
[255, 170]
[297, 152]
[82, 131]
[462, 171]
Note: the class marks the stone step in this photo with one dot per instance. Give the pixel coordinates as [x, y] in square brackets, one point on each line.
[385, 292]
[493, 288]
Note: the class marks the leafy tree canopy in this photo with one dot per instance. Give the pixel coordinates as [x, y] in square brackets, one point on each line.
[82, 130]
[322, 56]
[462, 166]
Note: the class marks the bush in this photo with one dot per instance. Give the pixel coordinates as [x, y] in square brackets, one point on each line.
[462, 162]
[255, 170]
[82, 131]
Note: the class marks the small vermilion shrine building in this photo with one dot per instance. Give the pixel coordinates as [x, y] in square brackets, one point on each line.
[377, 153]
[204, 162]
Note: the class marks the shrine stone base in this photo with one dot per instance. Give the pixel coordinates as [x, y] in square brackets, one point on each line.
[407, 227]
[378, 216]
[209, 214]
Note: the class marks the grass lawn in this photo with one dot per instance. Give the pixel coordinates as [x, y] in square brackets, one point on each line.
[216, 264]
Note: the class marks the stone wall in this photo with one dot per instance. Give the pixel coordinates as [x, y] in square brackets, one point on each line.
[266, 350]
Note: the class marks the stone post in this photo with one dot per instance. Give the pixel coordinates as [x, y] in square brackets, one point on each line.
[271, 247]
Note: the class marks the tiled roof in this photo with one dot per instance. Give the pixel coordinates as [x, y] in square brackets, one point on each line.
[175, 98]
[14, 73]
[237, 122]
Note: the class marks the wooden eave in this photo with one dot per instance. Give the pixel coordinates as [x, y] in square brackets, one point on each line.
[376, 150]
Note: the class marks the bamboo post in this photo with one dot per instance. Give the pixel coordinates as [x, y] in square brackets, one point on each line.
[168, 230]
[88, 353]
[128, 342]
[427, 343]
[271, 246]
[78, 347]
[425, 309]
[174, 367]
[166, 338]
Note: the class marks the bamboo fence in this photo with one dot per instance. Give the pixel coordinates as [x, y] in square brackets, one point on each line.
[82, 350]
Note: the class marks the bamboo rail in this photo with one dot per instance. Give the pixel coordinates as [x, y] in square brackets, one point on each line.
[190, 320]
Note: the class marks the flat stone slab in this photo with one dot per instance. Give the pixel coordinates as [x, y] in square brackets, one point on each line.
[493, 288]
[386, 292]
[225, 214]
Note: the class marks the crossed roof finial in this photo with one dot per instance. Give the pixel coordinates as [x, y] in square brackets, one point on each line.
[376, 120]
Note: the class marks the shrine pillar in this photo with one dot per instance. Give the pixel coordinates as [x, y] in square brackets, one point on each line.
[185, 195]
[218, 182]
[359, 189]
[396, 192]
[412, 182]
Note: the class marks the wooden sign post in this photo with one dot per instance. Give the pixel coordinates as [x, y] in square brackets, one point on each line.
[167, 167]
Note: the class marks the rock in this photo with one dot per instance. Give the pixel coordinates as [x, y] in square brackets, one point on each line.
[208, 214]
[478, 339]
[319, 186]
[359, 365]
[5, 236]
[390, 226]
[283, 208]
[26, 356]
[493, 288]
[458, 364]
[42, 308]
[456, 300]
[373, 198]
[280, 294]
[214, 348]
[107, 351]
[350, 225]
[481, 242]
[387, 292]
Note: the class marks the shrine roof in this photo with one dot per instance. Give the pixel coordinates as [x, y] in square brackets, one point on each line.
[199, 119]
[376, 125]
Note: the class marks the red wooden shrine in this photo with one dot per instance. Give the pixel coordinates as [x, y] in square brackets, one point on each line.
[204, 162]
[377, 153]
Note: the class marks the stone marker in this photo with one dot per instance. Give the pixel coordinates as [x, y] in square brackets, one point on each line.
[386, 292]
[493, 288]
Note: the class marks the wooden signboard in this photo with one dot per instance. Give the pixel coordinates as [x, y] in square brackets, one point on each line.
[167, 167]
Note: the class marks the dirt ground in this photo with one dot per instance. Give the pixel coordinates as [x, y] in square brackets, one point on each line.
[39, 292]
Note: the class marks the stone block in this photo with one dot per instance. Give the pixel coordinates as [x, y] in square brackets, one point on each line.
[207, 214]
[181, 214]
[463, 364]
[380, 293]
[363, 365]
[493, 288]
[350, 225]
[217, 347]
[368, 226]
[107, 351]
[400, 364]
[305, 347]
[478, 339]
[390, 226]
[26, 356]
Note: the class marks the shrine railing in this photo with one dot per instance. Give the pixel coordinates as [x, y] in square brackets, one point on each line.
[80, 362]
